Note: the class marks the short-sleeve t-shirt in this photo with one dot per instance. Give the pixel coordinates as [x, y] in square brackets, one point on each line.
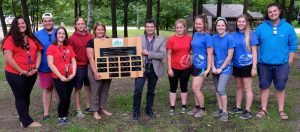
[199, 45]
[90, 43]
[58, 53]
[20, 54]
[180, 46]
[221, 46]
[242, 56]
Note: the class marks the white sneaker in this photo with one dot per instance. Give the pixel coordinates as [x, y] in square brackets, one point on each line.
[80, 114]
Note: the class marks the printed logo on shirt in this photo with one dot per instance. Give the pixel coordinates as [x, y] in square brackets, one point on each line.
[245, 59]
[198, 60]
[185, 61]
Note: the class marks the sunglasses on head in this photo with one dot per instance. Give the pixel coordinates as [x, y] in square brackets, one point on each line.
[221, 18]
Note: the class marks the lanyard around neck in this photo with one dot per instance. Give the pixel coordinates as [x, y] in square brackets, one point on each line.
[64, 56]
[27, 47]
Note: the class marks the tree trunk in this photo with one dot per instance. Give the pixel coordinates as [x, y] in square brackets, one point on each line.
[76, 8]
[90, 15]
[246, 6]
[194, 13]
[194, 8]
[149, 9]
[37, 16]
[114, 18]
[200, 6]
[13, 7]
[283, 6]
[4, 29]
[277, 1]
[219, 8]
[79, 8]
[126, 4]
[157, 17]
[25, 10]
[291, 9]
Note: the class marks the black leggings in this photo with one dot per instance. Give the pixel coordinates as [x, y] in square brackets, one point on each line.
[64, 91]
[183, 75]
[21, 87]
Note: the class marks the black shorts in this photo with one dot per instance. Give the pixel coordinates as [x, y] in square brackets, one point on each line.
[195, 72]
[244, 71]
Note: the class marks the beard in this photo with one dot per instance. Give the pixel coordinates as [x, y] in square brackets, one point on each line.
[49, 30]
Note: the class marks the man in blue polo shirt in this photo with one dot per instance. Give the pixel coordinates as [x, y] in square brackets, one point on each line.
[277, 46]
[46, 36]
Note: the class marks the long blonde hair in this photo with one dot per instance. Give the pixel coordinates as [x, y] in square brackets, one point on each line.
[247, 30]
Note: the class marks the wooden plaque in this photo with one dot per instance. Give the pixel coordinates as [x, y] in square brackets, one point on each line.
[119, 57]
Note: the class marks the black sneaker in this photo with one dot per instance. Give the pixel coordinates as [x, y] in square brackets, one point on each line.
[135, 117]
[60, 121]
[235, 110]
[246, 115]
[46, 117]
[151, 114]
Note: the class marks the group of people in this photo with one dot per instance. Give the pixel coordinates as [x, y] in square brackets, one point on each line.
[268, 52]
[63, 63]
[60, 63]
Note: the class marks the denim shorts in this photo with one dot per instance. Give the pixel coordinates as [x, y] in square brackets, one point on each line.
[276, 73]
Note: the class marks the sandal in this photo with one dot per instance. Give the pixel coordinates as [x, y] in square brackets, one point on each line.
[283, 115]
[261, 114]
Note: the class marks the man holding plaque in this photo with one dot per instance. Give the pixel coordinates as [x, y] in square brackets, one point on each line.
[153, 52]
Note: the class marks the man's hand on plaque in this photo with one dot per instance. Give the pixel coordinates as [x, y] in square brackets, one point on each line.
[97, 76]
[145, 52]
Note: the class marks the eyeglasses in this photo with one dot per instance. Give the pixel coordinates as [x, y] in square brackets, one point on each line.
[274, 30]
[221, 18]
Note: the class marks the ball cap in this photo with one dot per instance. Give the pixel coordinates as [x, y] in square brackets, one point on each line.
[47, 15]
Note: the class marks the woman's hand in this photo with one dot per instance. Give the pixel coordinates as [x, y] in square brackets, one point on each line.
[170, 73]
[97, 76]
[214, 70]
[253, 72]
[32, 72]
[24, 73]
[71, 77]
[219, 70]
[205, 73]
[63, 79]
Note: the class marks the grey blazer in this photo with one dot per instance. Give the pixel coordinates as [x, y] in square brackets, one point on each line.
[157, 55]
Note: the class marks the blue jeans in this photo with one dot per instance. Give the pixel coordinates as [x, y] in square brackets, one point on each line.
[138, 90]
